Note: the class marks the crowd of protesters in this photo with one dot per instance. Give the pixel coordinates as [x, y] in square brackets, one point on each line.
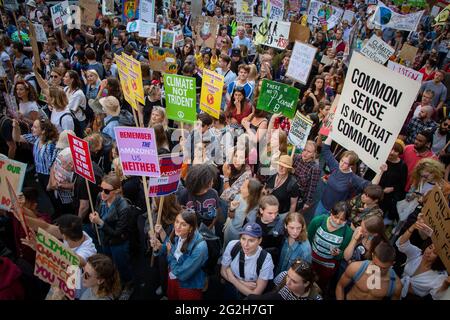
[293, 227]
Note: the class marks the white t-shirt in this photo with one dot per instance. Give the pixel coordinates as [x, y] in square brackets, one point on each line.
[77, 101]
[26, 107]
[4, 58]
[86, 249]
[266, 272]
[66, 123]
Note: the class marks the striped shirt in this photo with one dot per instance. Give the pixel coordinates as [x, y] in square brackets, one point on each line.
[44, 155]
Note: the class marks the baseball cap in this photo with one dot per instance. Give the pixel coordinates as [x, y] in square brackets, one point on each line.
[236, 52]
[252, 229]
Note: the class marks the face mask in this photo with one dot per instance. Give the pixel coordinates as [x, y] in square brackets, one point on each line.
[336, 225]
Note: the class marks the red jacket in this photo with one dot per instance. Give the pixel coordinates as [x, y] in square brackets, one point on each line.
[10, 286]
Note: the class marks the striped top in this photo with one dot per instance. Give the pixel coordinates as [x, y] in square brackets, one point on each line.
[44, 155]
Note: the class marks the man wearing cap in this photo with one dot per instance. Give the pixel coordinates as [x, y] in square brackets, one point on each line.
[111, 106]
[246, 267]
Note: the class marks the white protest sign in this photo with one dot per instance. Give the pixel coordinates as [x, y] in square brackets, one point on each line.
[377, 50]
[147, 29]
[108, 7]
[61, 14]
[320, 13]
[372, 108]
[301, 62]
[134, 26]
[11, 5]
[276, 9]
[385, 17]
[271, 33]
[407, 72]
[147, 10]
[179, 37]
[348, 15]
[244, 11]
[41, 36]
[300, 129]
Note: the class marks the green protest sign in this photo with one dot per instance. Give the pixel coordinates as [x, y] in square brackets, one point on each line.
[417, 3]
[277, 97]
[180, 98]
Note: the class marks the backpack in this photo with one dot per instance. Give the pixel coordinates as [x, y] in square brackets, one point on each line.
[133, 213]
[125, 118]
[76, 124]
[237, 249]
[214, 249]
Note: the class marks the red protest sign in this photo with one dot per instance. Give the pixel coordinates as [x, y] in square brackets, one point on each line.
[81, 157]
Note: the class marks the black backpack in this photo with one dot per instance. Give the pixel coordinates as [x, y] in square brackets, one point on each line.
[125, 119]
[214, 249]
[237, 249]
[76, 124]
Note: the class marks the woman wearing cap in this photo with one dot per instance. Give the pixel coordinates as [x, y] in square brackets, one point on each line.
[284, 185]
[76, 97]
[27, 97]
[43, 138]
[246, 267]
[111, 107]
[186, 253]
[297, 283]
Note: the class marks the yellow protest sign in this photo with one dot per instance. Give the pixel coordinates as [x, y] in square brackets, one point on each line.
[211, 94]
[135, 74]
[125, 81]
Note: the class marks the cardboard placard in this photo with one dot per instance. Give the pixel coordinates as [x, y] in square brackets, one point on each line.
[41, 36]
[278, 97]
[147, 10]
[372, 108]
[130, 10]
[14, 171]
[274, 9]
[408, 52]
[89, 10]
[437, 217]
[135, 74]
[138, 151]
[34, 45]
[108, 8]
[61, 14]
[163, 60]
[298, 32]
[180, 98]
[324, 15]
[206, 29]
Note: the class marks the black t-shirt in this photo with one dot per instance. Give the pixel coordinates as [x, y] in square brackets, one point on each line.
[133, 190]
[205, 205]
[81, 192]
[289, 189]
[148, 107]
[5, 133]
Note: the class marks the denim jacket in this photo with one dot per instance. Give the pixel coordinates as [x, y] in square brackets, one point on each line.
[289, 254]
[188, 267]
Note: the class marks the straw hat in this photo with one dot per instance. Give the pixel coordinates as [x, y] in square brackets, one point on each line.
[31, 3]
[63, 141]
[110, 105]
[285, 161]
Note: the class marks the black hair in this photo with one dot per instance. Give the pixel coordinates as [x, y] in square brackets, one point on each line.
[341, 206]
[31, 194]
[428, 134]
[385, 252]
[437, 264]
[199, 177]
[190, 217]
[71, 226]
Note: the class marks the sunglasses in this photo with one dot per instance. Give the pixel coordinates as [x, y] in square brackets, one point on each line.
[107, 191]
[54, 76]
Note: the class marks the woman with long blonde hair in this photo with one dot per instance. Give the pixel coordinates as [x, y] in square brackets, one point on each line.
[58, 105]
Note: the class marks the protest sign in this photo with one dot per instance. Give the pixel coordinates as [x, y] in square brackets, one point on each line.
[211, 94]
[135, 75]
[274, 9]
[134, 26]
[321, 14]
[11, 5]
[385, 17]
[147, 10]
[41, 36]
[278, 97]
[271, 33]
[417, 3]
[435, 11]
[34, 45]
[301, 62]
[179, 37]
[14, 171]
[55, 263]
[147, 29]
[328, 121]
[167, 183]
[130, 10]
[163, 60]
[138, 151]
[167, 39]
[244, 11]
[89, 10]
[407, 72]
[299, 132]
[297, 32]
[205, 29]
[196, 8]
[348, 15]
[373, 106]
[377, 50]
[442, 17]
[81, 157]
[60, 14]
[408, 53]
[108, 8]
[437, 217]
[180, 98]
[123, 67]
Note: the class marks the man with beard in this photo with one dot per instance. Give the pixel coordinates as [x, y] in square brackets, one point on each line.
[441, 137]
[422, 122]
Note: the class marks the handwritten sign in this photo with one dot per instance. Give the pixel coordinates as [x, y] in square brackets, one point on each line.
[271, 33]
[377, 50]
[407, 72]
[14, 171]
[299, 132]
[278, 97]
[163, 60]
[61, 14]
[301, 62]
[138, 151]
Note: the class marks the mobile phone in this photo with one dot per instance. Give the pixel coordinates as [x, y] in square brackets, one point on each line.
[428, 230]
